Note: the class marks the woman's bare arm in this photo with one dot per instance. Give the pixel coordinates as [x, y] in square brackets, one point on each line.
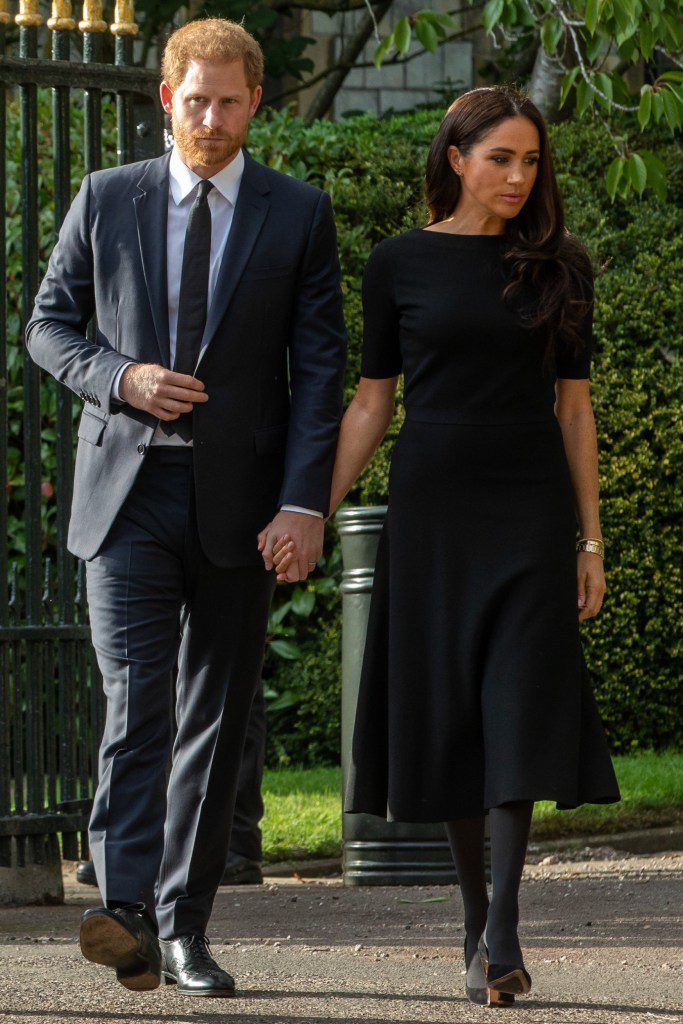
[362, 429]
[574, 413]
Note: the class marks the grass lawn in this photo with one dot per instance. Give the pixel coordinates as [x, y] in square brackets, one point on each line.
[303, 807]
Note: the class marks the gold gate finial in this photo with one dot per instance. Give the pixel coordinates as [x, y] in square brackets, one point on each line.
[61, 20]
[92, 17]
[28, 14]
[124, 19]
[4, 13]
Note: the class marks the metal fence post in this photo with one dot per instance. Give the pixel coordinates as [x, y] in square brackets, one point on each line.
[376, 852]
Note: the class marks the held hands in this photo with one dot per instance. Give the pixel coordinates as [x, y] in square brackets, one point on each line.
[292, 543]
[590, 574]
[161, 392]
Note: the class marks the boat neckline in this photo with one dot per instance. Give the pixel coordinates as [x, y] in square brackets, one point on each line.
[456, 234]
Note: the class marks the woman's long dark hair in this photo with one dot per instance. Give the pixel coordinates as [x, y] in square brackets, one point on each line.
[546, 261]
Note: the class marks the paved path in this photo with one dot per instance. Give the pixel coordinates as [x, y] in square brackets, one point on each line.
[602, 940]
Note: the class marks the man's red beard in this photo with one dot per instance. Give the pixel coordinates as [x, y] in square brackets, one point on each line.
[196, 152]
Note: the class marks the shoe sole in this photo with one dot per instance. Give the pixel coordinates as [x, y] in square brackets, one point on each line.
[491, 997]
[513, 983]
[211, 994]
[105, 941]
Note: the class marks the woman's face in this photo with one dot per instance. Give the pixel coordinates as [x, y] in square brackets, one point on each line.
[498, 173]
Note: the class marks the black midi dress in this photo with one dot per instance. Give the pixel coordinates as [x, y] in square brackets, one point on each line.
[474, 690]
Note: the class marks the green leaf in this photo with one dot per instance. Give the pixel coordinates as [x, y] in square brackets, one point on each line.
[567, 82]
[594, 47]
[584, 97]
[440, 20]
[282, 701]
[614, 173]
[645, 106]
[592, 14]
[303, 602]
[657, 106]
[492, 13]
[427, 34]
[674, 28]
[647, 39]
[278, 614]
[382, 50]
[285, 649]
[656, 174]
[671, 76]
[427, 899]
[552, 31]
[604, 83]
[402, 34]
[672, 110]
[637, 173]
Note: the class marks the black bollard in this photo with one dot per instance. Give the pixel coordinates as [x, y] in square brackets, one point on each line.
[376, 852]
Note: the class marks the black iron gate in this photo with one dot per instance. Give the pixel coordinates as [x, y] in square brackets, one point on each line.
[50, 703]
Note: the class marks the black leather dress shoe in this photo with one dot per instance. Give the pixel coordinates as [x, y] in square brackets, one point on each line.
[125, 940]
[85, 873]
[242, 871]
[187, 963]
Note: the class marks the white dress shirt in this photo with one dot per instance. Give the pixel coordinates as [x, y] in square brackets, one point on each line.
[221, 199]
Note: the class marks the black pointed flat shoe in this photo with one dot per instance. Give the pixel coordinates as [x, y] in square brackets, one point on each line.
[506, 978]
[478, 991]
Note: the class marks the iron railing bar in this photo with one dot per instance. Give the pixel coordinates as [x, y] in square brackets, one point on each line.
[64, 738]
[124, 103]
[88, 75]
[5, 699]
[28, 43]
[43, 632]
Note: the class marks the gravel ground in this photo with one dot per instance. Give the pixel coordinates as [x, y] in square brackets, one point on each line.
[601, 933]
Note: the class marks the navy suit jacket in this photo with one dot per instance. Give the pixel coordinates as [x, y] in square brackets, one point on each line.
[273, 358]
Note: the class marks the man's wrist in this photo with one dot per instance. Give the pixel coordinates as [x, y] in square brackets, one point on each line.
[115, 388]
[303, 511]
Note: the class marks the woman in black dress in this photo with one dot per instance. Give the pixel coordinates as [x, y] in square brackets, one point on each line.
[474, 693]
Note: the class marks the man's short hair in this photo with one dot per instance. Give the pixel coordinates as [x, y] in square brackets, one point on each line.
[211, 39]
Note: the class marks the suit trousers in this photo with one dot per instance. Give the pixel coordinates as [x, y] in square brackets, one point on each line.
[245, 838]
[155, 601]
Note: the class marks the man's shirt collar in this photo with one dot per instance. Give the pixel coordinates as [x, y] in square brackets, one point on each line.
[183, 181]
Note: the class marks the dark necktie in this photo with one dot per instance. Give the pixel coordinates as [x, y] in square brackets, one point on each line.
[194, 294]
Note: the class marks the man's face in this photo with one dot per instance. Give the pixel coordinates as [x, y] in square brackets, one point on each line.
[210, 113]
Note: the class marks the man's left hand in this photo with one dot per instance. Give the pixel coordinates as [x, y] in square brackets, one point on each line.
[304, 533]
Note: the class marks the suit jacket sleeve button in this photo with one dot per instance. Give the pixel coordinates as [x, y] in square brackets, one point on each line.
[141, 449]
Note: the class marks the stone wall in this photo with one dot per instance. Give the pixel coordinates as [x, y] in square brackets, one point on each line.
[398, 87]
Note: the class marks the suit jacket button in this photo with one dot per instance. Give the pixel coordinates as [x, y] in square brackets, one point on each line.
[141, 448]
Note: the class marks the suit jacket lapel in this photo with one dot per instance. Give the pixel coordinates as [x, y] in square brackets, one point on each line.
[251, 210]
[151, 212]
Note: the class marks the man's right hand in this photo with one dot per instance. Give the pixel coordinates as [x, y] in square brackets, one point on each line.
[161, 392]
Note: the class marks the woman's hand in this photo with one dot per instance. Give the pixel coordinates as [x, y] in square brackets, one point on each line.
[284, 554]
[590, 578]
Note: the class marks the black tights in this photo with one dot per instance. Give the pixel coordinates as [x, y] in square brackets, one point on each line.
[509, 827]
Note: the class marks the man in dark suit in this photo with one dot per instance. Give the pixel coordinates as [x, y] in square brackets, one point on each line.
[213, 389]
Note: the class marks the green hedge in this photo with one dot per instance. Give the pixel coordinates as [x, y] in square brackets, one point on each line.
[373, 170]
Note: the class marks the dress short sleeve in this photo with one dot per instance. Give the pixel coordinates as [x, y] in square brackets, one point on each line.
[381, 352]
[578, 366]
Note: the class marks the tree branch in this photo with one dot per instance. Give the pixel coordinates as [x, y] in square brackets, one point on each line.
[350, 51]
[391, 62]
